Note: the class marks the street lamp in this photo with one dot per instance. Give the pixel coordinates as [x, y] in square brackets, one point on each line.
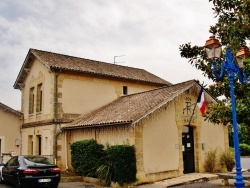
[228, 65]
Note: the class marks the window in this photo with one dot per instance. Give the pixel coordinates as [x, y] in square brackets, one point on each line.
[125, 90]
[39, 98]
[31, 101]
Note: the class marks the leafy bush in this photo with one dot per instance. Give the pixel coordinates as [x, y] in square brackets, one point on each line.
[117, 163]
[227, 159]
[106, 171]
[86, 156]
[244, 149]
[210, 161]
[124, 163]
[119, 166]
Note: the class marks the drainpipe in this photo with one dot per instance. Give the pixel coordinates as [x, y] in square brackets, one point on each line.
[66, 149]
[20, 140]
[55, 131]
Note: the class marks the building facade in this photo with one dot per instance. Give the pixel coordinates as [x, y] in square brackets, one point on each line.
[66, 99]
[165, 126]
[58, 88]
[10, 127]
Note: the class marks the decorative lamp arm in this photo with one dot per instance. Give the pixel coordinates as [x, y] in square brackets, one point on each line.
[220, 75]
[242, 75]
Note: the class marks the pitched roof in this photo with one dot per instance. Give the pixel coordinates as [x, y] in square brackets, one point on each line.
[6, 108]
[129, 109]
[55, 61]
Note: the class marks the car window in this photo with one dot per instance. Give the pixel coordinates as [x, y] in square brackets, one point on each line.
[13, 162]
[37, 160]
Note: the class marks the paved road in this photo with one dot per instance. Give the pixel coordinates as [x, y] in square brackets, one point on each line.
[61, 185]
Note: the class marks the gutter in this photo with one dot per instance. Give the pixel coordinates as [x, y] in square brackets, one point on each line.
[96, 126]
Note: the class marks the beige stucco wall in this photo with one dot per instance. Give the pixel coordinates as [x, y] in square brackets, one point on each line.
[160, 142]
[38, 74]
[83, 94]
[9, 132]
[213, 138]
[30, 140]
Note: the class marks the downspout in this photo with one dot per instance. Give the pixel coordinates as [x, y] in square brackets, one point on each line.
[21, 125]
[20, 140]
[66, 148]
[55, 132]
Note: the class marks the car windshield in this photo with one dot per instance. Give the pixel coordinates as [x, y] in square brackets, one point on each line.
[37, 161]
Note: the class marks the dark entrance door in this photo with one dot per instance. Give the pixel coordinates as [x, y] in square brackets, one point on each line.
[188, 149]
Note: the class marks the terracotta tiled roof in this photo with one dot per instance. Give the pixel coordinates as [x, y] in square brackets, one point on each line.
[62, 62]
[130, 108]
[10, 110]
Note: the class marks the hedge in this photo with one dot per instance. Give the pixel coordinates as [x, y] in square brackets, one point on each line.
[124, 163]
[116, 163]
[86, 156]
[244, 149]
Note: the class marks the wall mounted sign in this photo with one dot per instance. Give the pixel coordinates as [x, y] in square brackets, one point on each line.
[189, 114]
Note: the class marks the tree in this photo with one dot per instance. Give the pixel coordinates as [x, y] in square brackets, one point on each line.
[233, 28]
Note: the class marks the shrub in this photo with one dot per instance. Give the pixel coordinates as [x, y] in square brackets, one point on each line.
[123, 161]
[86, 156]
[210, 161]
[227, 159]
[244, 149]
[106, 171]
[119, 166]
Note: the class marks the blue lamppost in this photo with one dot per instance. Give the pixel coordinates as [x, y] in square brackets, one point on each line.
[228, 65]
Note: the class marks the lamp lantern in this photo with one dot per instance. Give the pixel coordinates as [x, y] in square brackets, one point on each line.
[241, 55]
[213, 48]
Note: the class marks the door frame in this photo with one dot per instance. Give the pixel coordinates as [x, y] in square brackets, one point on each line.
[188, 149]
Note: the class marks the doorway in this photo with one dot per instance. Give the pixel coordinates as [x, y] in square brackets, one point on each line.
[39, 144]
[188, 149]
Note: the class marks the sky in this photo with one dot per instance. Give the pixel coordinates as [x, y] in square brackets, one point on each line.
[143, 34]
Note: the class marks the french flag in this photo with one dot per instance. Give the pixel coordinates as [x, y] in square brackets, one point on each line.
[201, 102]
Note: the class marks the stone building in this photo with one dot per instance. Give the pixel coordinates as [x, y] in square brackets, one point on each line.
[165, 126]
[66, 99]
[10, 127]
[57, 88]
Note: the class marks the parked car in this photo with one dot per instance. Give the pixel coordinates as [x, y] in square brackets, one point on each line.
[30, 171]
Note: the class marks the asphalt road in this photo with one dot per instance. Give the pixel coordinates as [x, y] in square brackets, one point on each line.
[61, 185]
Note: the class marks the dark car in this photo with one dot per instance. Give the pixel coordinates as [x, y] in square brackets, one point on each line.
[31, 171]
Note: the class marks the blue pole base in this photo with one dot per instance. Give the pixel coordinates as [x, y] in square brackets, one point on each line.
[239, 184]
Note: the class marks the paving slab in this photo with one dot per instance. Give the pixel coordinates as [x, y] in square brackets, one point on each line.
[184, 179]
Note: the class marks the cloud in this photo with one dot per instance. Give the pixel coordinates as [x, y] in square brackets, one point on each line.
[147, 32]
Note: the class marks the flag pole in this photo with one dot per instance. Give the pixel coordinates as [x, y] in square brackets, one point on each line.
[192, 114]
[200, 103]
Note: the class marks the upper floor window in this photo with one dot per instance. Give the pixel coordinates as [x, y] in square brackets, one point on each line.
[125, 90]
[31, 100]
[39, 98]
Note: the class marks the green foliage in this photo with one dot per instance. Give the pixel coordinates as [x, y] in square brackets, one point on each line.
[244, 150]
[210, 161]
[232, 28]
[233, 17]
[116, 163]
[222, 110]
[124, 163]
[227, 159]
[86, 156]
[244, 131]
